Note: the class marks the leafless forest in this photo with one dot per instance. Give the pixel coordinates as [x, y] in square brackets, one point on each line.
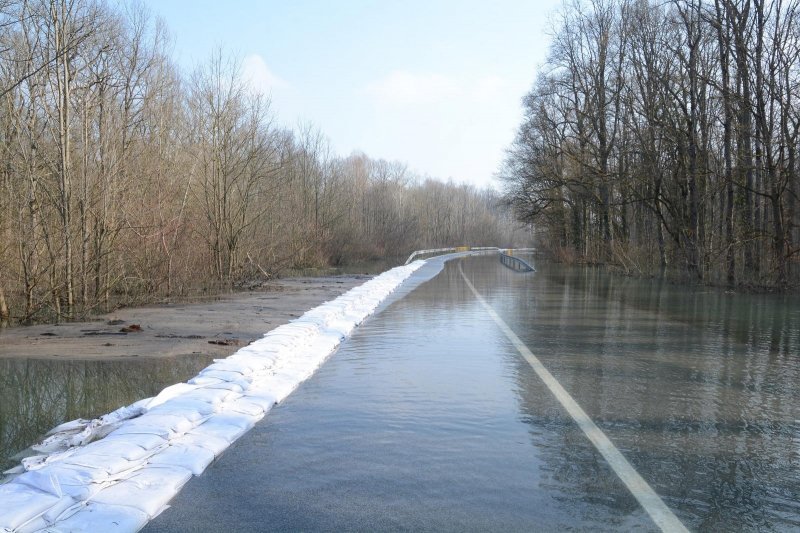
[124, 179]
[664, 135]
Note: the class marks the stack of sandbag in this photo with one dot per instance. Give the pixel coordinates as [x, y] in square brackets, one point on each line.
[118, 472]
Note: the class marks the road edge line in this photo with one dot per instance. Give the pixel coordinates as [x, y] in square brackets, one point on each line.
[650, 501]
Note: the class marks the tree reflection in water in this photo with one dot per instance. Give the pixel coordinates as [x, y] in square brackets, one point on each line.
[697, 386]
[38, 394]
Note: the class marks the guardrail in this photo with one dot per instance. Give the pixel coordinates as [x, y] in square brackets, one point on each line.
[506, 256]
[515, 263]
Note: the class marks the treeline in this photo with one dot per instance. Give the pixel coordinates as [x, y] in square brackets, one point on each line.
[123, 179]
[664, 135]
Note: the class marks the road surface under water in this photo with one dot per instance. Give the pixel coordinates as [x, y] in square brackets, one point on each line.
[428, 418]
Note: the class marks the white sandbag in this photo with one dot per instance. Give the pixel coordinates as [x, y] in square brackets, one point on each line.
[215, 428]
[174, 421]
[255, 366]
[244, 420]
[231, 365]
[22, 503]
[146, 441]
[35, 462]
[280, 386]
[113, 465]
[193, 410]
[95, 430]
[41, 481]
[161, 432]
[57, 442]
[252, 359]
[78, 482]
[263, 347]
[189, 406]
[245, 406]
[257, 377]
[63, 508]
[148, 490]
[224, 375]
[191, 457]
[81, 432]
[212, 396]
[301, 330]
[283, 340]
[320, 347]
[168, 393]
[125, 413]
[73, 425]
[212, 443]
[233, 386]
[264, 398]
[101, 517]
[117, 448]
[320, 350]
[203, 381]
[296, 370]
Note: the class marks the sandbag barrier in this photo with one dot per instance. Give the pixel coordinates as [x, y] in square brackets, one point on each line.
[118, 472]
[451, 249]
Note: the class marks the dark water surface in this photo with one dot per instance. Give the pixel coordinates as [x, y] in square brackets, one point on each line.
[428, 419]
[38, 394]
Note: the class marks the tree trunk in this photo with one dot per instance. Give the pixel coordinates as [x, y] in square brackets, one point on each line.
[4, 314]
[63, 77]
[727, 141]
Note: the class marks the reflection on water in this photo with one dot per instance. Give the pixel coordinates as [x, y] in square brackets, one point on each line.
[414, 424]
[699, 388]
[428, 419]
[37, 394]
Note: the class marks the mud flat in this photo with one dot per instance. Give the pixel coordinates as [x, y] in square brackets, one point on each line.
[213, 328]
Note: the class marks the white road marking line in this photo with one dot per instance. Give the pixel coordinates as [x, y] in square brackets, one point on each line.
[638, 487]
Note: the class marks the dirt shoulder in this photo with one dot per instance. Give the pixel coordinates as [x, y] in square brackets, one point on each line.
[217, 327]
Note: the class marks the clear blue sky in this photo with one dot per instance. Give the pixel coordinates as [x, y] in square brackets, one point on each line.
[436, 84]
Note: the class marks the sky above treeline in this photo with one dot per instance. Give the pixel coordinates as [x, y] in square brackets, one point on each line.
[436, 84]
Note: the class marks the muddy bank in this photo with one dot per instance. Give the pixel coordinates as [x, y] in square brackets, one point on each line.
[214, 328]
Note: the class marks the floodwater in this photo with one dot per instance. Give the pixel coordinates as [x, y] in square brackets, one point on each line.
[427, 418]
[38, 394]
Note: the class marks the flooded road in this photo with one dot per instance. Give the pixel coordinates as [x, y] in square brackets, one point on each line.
[428, 418]
[50, 374]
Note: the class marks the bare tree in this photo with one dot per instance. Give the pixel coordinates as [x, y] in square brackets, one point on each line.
[672, 120]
